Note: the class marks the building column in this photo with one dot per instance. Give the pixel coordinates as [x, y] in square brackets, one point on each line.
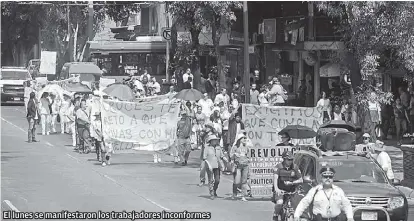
[300, 67]
[317, 78]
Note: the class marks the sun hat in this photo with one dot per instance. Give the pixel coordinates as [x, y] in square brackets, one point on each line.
[211, 137]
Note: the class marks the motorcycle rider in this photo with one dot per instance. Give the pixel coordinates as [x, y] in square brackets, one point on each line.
[286, 175]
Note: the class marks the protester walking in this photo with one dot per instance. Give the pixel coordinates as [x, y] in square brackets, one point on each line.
[55, 108]
[401, 119]
[384, 160]
[32, 117]
[184, 130]
[213, 158]
[45, 113]
[65, 104]
[325, 104]
[240, 158]
[327, 201]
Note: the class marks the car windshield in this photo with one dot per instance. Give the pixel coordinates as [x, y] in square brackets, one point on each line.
[13, 75]
[356, 171]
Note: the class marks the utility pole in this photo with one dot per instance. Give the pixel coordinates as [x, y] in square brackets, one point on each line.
[246, 52]
[69, 35]
[167, 55]
[90, 30]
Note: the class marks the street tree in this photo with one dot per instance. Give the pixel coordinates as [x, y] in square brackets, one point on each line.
[186, 49]
[377, 35]
[20, 25]
[219, 16]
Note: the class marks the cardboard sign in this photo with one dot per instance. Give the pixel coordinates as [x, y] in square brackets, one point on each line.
[48, 62]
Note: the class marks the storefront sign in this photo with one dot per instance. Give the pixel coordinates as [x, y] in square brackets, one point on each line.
[262, 125]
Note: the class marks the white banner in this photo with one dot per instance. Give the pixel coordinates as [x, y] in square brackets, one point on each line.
[263, 124]
[146, 126]
[48, 62]
[104, 82]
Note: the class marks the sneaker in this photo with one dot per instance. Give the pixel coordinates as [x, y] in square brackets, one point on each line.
[62, 132]
[201, 184]
[48, 133]
[103, 164]
[108, 162]
[159, 159]
[155, 160]
[243, 199]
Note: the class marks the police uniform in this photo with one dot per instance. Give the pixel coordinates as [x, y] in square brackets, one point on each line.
[284, 173]
[327, 205]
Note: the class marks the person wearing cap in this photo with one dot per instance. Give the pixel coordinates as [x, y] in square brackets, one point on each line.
[239, 154]
[285, 140]
[329, 202]
[32, 116]
[366, 146]
[184, 129]
[213, 158]
[207, 131]
[384, 160]
[286, 175]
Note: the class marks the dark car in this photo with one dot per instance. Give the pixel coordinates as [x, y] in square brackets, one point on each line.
[364, 182]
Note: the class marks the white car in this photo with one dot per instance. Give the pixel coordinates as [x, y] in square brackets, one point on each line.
[12, 80]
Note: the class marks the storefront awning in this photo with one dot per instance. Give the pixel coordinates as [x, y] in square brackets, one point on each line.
[106, 47]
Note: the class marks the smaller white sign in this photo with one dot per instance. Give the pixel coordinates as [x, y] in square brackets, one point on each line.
[48, 62]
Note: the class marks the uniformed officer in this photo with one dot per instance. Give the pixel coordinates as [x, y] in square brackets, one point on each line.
[329, 201]
[286, 176]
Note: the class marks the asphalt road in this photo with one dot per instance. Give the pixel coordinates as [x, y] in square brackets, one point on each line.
[49, 176]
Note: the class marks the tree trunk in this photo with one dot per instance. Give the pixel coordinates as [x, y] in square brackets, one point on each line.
[216, 32]
[75, 42]
[174, 42]
[195, 66]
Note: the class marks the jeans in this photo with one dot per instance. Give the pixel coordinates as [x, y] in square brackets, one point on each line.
[213, 180]
[203, 169]
[240, 178]
[45, 120]
[31, 132]
[385, 126]
[401, 128]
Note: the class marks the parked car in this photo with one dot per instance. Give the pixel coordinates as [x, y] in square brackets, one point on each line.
[12, 81]
[366, 185]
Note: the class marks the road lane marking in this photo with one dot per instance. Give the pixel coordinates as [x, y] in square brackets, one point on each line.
[119, 184]
[49, 144]
[77, 160]
[12, 207]
[14, 125]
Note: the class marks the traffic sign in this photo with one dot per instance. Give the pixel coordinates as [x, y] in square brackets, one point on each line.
[166, 34]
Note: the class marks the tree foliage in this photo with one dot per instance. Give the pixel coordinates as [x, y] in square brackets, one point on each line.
[193, 17]
[378, 34]
[19, 24]
[22, 20]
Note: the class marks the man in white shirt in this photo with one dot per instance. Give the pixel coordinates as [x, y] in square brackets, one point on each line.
[222, 97]
[188, 74]
[145, 74]
[328, 200]
[155, 85]
[384, 160]
[366, 146]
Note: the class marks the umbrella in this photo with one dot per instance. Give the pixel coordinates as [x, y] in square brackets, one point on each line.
[189, 95]
[298, 132]
[120, 91]
[84, 68]
[339, 124]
